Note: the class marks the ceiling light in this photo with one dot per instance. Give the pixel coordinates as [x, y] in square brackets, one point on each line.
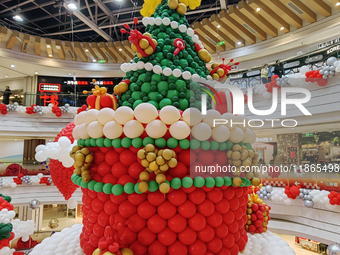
[119, 1]
[69, 74]
[72, 6]
[86, 50]
[6, 76]
[120, 49]
[258, 9]
[218, 26]
[239, 43]
[12, 66]
[282, 28]
[338, 3]
[50, 55]
[18, 18]
[94, 60]
[48, 46]
[35, 72]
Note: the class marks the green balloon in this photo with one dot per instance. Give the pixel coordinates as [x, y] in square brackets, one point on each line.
[205, 145]
[117, 189]
[136, 188]
[180, 84]
[187, 182]
[229, 145]
[88, 142]
[241, 143]
[83, 184]
[214, 145]
[137, 102]
[164, 102]
[137, 142]
[146, 87]
[98, 187]
[176, 183]
[141, 77]
[93, 142]
[153, 95]
[107, 142]
[100, 142]
[79, 142]
[148, 140]
[126, 142]
[199, 182]
[157, 77]
[219, 182]
[136, 95]
[184, 144]
[116, 143]
[172, 93]
[160, 142]
[129, 188]
[107, 188]
[248, 145]
[183, 104]
[153, 186]
[163, 85]
[91, 184]
[227, 181]
[154, 104]
[222, 146]
[195, 144]
[172, 143]
[209, 182]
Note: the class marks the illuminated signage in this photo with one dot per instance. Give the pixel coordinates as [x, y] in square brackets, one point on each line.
[328, 43]
[71, 82]
[49, 87]
[335, 48]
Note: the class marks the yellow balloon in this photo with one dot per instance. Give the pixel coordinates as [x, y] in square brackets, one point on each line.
[149, 50]
[96, 251]
[143, 43]
[126, 251]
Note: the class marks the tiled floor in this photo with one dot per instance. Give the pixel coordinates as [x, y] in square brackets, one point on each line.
[298, 249]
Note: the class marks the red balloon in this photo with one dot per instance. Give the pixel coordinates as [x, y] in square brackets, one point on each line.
[103, 169]
[146, 210]
[136, 223]
[135, 169]
[138, 249]
[206, 157]
[119, 170]
[166, 210]
[128, 236]
[125, 179]
[228, 241]
[156, 198]
[233, 227]
[105, 149]
[197, 222]
[156, 224]
[103, 219]
[206, 208]
[118, 199]
[126, 209]
[167, 237]
[177, 197]
[92, 216]
[109, 178]
[189, 190]
[187, 236]
[241, 243]
[187, 210]
[178, 248]
[103, 197]
[177, 223]
[146, 237]
[97, 205]
[197, 197]
[111, 157]
[93, 240]
[229, 193]
[215, 245]
[136, 199]
[222, 206]
[156, 248]
[88, 248]
[234, 204]
[237, 236]
[110, 208]
[99, 157]
[221, 157]
[180, 170]
[222, 230]
[234, 250]
[206, 234]
[127, 157]
[106, 101]
[198, 248]
[185, 156]
[91, 101]
[215, 219]
[221, 108]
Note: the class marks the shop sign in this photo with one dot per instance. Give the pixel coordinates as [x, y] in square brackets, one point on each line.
[335, 48]
[72, 82]
[52, 99]
[49, 87]
[328, 43]
[264, 139]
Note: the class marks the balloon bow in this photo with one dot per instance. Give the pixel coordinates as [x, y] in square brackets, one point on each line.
[219, 71]
[254, 198]
[99, 93]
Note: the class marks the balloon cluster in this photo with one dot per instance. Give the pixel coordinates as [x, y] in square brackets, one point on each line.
[65, 108]
[30, 109]
[258, 217]
[57, 111]
[181, 8]
[83, 159]
[46, 180]
[315, 76]
[26, 179]
[333, 249]
[3, 109]
[17, 179]
[157, 162]
[56, 150]
[282, 82]
[280, 196]
[265, 192]
[149, 7]
[12, 107]
[321, 196]
[82, 108]
[8, 182]
[34, 204]
[6, 216]
[5, 231]
[306, 197]
[334, 198]
[100, 99]
[293, 191]
[23, 229]
[122, 87]
[219, 71]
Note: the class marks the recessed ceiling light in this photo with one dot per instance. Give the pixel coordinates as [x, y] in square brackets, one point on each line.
[15, 140]
[338, 3]
[6, 76]
[12, 66]
[258, 9]
[35, 72]
[239, 43]
[94, 60]
[282, 28]
[69, 74]
[48, 46]
[50, 55]
[119, 1]
[72, 6]
[120, 49]
[218, 26]
[18, 18]
[86, 50]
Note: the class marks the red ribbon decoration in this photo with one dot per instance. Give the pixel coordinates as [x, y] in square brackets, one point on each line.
[179, 44]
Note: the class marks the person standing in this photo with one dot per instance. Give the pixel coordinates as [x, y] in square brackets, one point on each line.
[264, 74]
[278, 70]
[7, 93]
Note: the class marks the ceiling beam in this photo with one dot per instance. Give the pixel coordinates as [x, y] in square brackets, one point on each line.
[16, 6]
[89, 10]
[270, 15]
[89, 51]
[123, 51]
[244, 20]
[80, 51]
[200, 31]
[214, 30]
[60, 49]
[257, 18]
[71, 52]
[99, 53]
[226, 30]
[334, 2]
[88, 22]
[12, 39]
[206, 32]
[307, 14]
[223, 4]
[25, 43]
[127, 46]
[284, 12]
[320, 6]
[3, 32]
[107, 52]
[113, 48]
[49, 49]
[229, 21]
[37, 45]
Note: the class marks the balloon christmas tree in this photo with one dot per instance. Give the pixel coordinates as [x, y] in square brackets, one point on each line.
[135, 163]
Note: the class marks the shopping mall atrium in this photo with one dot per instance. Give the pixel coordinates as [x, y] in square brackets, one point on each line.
[169, 127]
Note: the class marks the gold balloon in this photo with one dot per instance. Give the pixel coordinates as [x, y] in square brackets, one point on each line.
[86, 178]
[155, 42]
[237, 181]
[97, 251]
[244, 155]
[164, 167]
[123, 87]
[134, 48]
[150, 156]
[89, 158]
[246, 163]
[141, 154]
[255, 181]
[229, 153]
[153, 166]
[167, 154]
[215, 76]
[213, 66]
[76, 148]
[172, 162]
[160, 178]
[251, 153]
[139, 55]
[108, 253]
[145, 163]
[126, 251]
[149, 148]
[160, 160]
[204, 55]
[77, 171]
[181, 8]
[164, 188]
[249, 175]
[144, 176]
[85, 151]
[220, 72]
[149, 50]
[148, 35]
[237, 147]
[172, 4]
[236, 155]
[143, 187]
[236, 162]
[143, 43]
[244, 147]
[80, 157]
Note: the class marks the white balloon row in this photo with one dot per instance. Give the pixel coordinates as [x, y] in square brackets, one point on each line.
[9, 182]
[174, 24]
[23, 229]
[61, 243]
[112, 124]
[46, 110]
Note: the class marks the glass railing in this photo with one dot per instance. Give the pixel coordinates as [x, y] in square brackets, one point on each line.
[29, 167]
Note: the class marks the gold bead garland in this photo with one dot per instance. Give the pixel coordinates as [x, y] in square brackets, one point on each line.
[83, 159]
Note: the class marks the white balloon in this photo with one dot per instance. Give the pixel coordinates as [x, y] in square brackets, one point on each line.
[156, 129]
[64, 142]
[211, 117]
[158, 21]
[133, 129]
[176, 72]
[186, 75]
[140, 64]
[220, 133]
[105, 115]
[182, 28]
[112, 130]
[157, 69]
[124, 114]
[151, 21]
[40, 147]
[202, 131]
[13, 185]
[95, 130]
[40, 156]
[174, 24]
[167, 71]
[267, 95]
[179, 130]
[190, 32]
[145, 112]
[91, 115]
[169, 114]
[236, 135]
[304, 69]
[148, 66]
[331, 61]
[166, 21]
